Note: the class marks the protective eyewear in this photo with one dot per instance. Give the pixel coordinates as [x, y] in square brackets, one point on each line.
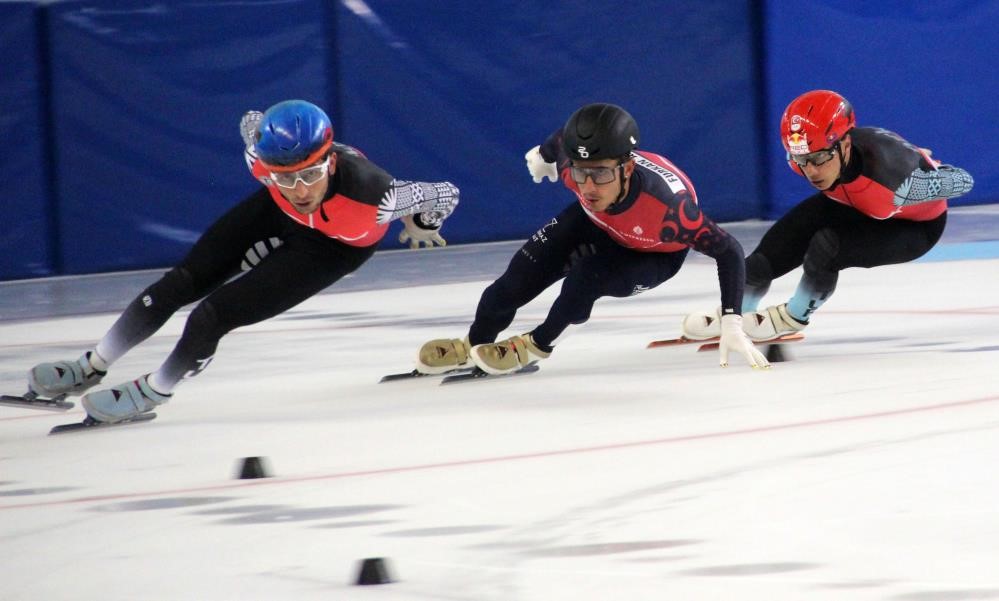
[817, 158]
[309, 175]
[599, 175]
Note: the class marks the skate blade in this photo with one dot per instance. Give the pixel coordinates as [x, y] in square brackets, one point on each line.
[477, 374]
[409, 375]
[90, 423]
[677, 341]
[32, 401]
[786, 338]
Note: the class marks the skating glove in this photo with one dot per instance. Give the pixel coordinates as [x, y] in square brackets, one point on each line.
[733, 338]
[539, 167]
[248, 127]
[415, 233]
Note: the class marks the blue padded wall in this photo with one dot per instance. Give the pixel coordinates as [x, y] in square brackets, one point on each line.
[924, 70]
[148, 99]
[25, 238]
[137, 104]
[460, 91]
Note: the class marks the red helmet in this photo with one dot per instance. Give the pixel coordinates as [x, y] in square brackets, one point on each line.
[815, 121]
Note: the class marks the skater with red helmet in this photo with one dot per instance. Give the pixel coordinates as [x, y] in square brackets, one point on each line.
[880, 201]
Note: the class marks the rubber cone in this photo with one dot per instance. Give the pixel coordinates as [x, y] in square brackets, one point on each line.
[253, 467]
[374, 570]
[776, 354]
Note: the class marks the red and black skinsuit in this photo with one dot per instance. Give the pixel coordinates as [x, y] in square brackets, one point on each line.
[638, 243]
[888, 206]
[285, 258]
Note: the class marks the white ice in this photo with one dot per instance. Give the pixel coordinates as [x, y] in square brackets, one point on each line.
[863, 469]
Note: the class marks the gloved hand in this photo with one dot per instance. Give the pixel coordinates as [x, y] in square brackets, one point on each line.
[414, 234]
[539, 167]
[734, 339]
[248, 127]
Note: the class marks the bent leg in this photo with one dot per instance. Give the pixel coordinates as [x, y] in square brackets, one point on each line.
[542, 260]
[612, 271]
[214, 258]
[821, 272]
[294, 272]
[859, 242]
[784, 245]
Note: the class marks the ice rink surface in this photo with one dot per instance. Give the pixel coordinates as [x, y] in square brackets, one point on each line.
[862, 469]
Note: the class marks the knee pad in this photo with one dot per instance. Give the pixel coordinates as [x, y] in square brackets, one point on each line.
[171, 292]
[820, 258]
[759, 273]
[204, 323]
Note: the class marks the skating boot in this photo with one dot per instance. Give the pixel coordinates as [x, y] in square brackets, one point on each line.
[772, 322]
[508, 355]
[50, 380]
[123, 402]
[443, 355]
[702, 325]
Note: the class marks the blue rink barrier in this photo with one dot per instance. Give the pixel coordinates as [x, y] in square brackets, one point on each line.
[26, 240]
[148, 99]
[138, 104]
[460, 91]
[924, 71]
[965, 251]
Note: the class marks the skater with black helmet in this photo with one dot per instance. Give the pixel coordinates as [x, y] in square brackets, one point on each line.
[319, 215]
[634, 220]
[881, 201]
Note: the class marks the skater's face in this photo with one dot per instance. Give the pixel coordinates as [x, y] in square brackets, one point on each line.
[601, 182]
[823, 168]
[305, 197]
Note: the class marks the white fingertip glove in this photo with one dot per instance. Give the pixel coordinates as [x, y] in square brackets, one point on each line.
[539, 167]
[415, 235]
[734, 339]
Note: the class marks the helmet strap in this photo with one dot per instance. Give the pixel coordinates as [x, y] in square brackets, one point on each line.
[842, 161]
[620, 196]
[624, 182]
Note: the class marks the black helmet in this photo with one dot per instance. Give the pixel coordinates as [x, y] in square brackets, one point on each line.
[599, 131]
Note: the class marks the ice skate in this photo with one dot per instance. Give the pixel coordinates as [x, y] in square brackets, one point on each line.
[702, 325]
[443, 355]
[770, 323]
[123, 402]
[507, 356]
[51, 380]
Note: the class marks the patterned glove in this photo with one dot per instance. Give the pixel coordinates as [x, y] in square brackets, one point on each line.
[248, 127]
[539, 167]
[416, 234]
[734, 339]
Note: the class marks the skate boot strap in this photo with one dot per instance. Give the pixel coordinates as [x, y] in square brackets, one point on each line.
[435, 350]
[783, 318]
[460, 350]
[525, 348]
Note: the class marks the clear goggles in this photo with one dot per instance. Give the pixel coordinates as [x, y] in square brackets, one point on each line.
[599, 175]
[309, 175]
[817, 158]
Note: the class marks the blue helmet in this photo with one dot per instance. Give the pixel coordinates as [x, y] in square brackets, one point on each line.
[293, 134]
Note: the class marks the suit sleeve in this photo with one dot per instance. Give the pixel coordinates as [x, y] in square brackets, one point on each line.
[711, 240]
